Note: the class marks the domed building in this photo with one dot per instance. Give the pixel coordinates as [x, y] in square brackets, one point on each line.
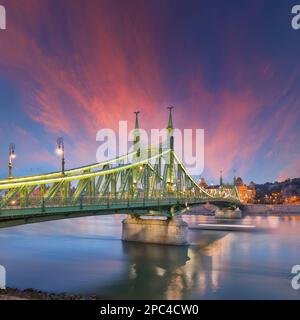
[247, 194]
[251, 185]
[239, 182]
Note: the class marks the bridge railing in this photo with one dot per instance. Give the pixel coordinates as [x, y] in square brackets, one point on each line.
[40, 202]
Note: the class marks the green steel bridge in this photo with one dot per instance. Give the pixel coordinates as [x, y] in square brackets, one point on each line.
[150, 181]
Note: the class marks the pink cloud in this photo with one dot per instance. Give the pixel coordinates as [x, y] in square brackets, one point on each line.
[89, 75]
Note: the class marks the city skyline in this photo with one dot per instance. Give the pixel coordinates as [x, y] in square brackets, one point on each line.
[68, 69]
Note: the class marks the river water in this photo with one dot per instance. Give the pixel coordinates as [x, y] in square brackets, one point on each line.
[86, 256]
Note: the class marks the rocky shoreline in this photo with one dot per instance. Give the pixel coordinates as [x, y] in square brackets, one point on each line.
[31, 294]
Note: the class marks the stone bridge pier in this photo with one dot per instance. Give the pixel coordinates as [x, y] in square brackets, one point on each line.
[226, 213]
[171, 231]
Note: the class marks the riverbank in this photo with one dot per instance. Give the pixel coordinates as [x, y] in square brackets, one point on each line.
[255, 209]
[267, 209]
[31, 294]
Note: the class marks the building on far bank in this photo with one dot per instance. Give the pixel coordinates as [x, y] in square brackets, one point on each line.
[203, 183]
[247, 193]
[291, 200]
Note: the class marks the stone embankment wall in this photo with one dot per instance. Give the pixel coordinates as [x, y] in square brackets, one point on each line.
[270, 209]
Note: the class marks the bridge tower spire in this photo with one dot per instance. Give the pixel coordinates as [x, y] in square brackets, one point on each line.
[221, 178]
[137, 135]
[170, 142]
[137, 150]
[170, 129]
[234, 178]
[170, 122]
[137, 126]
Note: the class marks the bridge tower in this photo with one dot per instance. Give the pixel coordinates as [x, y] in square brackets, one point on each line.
[221, 178]
[137, 136]
[137, 149]
[170, 144]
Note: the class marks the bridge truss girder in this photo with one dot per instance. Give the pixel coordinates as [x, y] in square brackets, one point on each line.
[153, 174]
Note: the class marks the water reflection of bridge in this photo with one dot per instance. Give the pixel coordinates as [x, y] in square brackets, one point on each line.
[170, 272]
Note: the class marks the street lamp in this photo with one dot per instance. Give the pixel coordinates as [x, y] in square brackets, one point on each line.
[11, 156]
[60, 151]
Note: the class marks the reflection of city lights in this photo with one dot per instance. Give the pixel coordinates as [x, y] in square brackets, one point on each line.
[160, 271]
[273, 221]
[132, 272]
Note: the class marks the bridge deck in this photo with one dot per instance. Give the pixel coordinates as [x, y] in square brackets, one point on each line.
[158, 207]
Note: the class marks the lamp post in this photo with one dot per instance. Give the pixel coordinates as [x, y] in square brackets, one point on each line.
[11, 156]
[60, 150]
